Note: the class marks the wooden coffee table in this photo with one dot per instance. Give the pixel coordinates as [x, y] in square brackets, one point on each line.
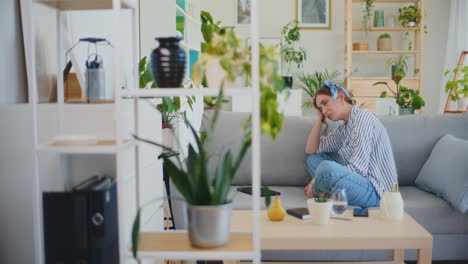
[359, 233]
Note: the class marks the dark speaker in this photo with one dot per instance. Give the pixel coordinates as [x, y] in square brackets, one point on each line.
[81, 226]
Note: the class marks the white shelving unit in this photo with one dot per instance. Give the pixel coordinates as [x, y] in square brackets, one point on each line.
[158, 245]
[175, 245]
[119, 143]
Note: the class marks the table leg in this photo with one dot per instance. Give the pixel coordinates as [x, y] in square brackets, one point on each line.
[398, 255]
[425, 256]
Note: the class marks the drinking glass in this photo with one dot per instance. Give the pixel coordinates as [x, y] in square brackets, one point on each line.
[339, 201]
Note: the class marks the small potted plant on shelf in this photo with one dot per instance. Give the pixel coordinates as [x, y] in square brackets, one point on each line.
[368, 6]
[313, 81]
[407, 99]
[289, 52]
[211, 101]
[170, 112]
[398, 62]
[224, 61]
[410, 16]
[384, 42]
[457, 89]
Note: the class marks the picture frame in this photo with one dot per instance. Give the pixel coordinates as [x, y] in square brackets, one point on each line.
[313, 14]
[243, 12]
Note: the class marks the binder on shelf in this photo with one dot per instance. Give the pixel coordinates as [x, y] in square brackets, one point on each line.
[81, 226]
[180, 24]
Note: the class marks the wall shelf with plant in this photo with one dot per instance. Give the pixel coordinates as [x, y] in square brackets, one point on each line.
[415, 33]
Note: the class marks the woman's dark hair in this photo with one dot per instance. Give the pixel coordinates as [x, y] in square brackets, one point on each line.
[326, 91]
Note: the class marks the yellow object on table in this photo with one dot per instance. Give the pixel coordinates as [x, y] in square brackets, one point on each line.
[276, 211]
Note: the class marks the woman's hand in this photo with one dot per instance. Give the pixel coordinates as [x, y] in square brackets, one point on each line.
[320, 116]
[308, 189]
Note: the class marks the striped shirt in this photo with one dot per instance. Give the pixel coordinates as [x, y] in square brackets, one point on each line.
[364, 145]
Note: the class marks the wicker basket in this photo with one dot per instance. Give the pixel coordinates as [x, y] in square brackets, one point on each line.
[360, 46]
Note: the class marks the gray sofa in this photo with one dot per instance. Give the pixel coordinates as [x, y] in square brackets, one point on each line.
[283, 169]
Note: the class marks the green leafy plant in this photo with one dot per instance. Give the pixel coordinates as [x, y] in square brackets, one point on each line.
[191, 176]
[405, 97]
[230, 50]
[211, 101]
[457, 88]
[399, 61]
[169, 109]
[313, 81]
[384, 36]
[209, 27]
[407, 15]
[270, 82]
[290, 35]
[271, 121]
[145, 73]
[325, 189]
[367, 13]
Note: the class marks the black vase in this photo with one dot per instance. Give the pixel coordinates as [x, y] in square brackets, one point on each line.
[288, 81]
[168, 63]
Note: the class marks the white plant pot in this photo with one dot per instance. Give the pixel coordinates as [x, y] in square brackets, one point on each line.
[452, 105]
[215, 74]
[462, 104]
[168, 137]
[319, 212]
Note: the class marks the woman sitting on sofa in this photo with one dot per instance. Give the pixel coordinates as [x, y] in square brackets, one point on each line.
[361, 141]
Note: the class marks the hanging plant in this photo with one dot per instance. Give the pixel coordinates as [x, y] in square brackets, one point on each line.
[289, 52]
[410, 16]
[367, 13]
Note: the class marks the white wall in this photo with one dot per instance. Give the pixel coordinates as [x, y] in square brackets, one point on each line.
[16, 159]
[326, 47]
[12, 64]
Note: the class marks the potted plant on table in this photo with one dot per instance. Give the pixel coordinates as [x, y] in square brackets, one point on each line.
[407, 99]
[457, 89]
[209, 207]
[399, 62]
[320, 206]
[290, 36]
[384, 42]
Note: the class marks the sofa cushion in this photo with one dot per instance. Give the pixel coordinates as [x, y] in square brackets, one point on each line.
[413, 137]
[432, 212]
[445, 173]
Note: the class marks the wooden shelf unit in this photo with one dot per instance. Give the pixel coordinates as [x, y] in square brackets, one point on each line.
[387, 29]
[389, 1]
[385, 52]
[362, 87]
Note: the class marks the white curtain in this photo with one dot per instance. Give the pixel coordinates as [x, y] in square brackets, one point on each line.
[456, 42]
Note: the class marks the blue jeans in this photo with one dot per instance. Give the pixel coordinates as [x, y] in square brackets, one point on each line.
[327, 172]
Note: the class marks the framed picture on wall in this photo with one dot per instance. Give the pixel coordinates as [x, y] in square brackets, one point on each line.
[243, 11]
[313, 14]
